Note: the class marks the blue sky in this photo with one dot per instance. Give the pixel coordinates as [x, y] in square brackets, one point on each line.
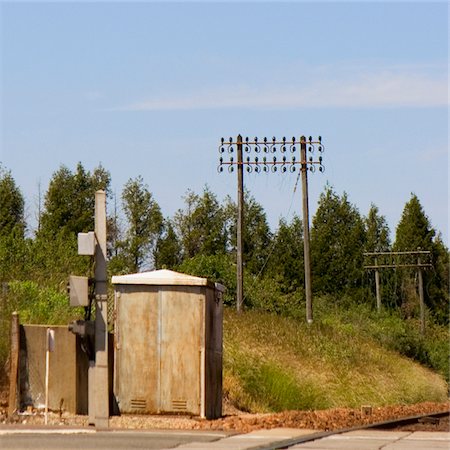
[149, 88]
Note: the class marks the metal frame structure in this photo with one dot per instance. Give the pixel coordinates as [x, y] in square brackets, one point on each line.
[271, 155]
[389, 264]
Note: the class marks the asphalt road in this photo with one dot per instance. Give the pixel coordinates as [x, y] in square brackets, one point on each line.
[114, 440]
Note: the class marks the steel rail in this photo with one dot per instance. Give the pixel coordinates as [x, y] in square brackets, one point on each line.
[286, 443]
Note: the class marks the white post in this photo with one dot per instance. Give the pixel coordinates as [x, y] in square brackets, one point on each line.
[50, 346]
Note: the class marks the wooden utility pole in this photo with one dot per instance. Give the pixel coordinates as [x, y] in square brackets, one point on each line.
[240, 227]
[377, 286]
[101, 376]
[14, 366]
[261, 156]
[308, 289]
[421, 297]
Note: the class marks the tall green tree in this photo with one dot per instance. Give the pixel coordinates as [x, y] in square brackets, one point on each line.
[414, 231]
[256, 233]
[68, 209]
[377, 231]
[11, 206]
[14, 248]
[144, 221]
[286, 264]
[200, 225]
[167, 252]
[70, 200]
[378, 240]
[337, 243]
[438, 286]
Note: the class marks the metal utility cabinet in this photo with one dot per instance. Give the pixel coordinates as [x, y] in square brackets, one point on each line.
[168, 344]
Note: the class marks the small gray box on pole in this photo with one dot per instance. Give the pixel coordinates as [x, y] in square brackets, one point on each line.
[86, 243]
[78, 291]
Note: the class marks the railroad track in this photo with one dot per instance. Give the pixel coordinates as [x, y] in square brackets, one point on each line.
[429, 419]
[424, 419]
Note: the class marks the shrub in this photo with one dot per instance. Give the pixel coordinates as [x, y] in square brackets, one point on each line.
[217, 268]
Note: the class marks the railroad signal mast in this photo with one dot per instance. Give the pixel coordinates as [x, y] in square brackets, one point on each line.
[270, 156]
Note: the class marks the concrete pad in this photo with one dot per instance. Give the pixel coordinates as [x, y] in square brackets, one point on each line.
[353, 440]
[417, 445]
[249, 440]
[422, 440]
[374, 434]
[375, 440]
[342, 444]
[430, 435]
[282, 433]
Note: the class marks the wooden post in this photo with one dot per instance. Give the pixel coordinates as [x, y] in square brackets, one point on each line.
[307, 260]
[101, 375]
[377, 286]
[240, 227]
[14, 366]
[421, 298]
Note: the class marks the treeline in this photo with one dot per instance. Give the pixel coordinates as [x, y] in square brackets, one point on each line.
[201, 239]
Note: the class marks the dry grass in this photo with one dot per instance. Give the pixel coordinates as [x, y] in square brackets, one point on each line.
[274, 363]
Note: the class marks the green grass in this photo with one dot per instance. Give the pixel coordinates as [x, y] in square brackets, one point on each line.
[35, 305]
[275, 363]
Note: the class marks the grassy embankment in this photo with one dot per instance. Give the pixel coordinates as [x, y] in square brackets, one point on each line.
[274, 363]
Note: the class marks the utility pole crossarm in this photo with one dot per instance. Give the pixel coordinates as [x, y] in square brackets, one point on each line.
[270, 155]
[398, 266]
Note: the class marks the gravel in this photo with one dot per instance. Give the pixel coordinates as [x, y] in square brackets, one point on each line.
[240, 422]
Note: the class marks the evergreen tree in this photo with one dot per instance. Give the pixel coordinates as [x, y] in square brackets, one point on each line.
[14, 248]
[256, 233]
[144, 224]
[337, 243]
[377, 240]
[167, 253]
[286, 263]
[377, 231]
[201, 225]
[438, 285]
[70, 200]
[11, 206]
[68, 209]
[414, 230]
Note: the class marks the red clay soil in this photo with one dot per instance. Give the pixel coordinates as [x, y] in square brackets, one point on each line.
[329, 419]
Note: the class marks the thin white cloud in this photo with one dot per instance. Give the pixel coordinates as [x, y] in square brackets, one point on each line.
[382, 89]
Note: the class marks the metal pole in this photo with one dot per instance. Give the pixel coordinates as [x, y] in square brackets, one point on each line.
[240, 227]
[377, 286]
[307, 260]
[421, 298]
[101, 378]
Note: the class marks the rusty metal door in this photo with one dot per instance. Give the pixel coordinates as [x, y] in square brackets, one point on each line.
[137, 365]
[181, 343]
